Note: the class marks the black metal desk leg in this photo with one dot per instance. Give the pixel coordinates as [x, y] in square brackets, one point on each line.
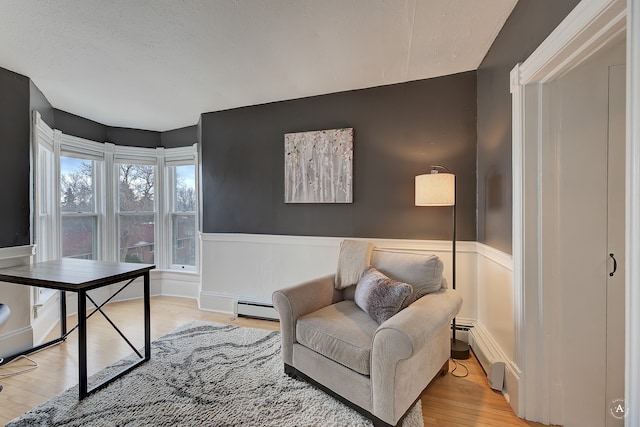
[82, 344]
[63, 313]
[147, 318]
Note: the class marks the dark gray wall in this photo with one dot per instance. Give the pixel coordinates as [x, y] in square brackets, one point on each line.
[529, 24]
[72, 124]
[133, 137]
[399, 130]
[41, 104]
[15, 134]
[179, 137]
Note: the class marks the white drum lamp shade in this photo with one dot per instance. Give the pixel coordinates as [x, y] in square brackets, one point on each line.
[436, 189]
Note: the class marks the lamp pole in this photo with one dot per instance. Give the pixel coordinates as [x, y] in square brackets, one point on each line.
[459, 349]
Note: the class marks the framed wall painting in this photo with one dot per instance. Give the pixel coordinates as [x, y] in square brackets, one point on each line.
[318, 166]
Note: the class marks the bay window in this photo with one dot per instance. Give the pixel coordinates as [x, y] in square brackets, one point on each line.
[114, 203]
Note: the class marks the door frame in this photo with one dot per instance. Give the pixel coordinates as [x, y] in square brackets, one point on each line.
[588, 28]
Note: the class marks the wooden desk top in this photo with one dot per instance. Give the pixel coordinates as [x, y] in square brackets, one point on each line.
[69, 274]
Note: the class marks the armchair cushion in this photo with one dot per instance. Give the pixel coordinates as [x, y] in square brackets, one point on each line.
[422, 271]
[379, 296]
[342, 332]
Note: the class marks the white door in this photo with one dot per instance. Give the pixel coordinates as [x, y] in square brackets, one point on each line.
[587, 131]
[616, 247]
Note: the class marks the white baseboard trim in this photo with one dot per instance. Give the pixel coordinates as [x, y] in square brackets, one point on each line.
[502, 372]
[489, 355]
[218, 302]
[175, 284]
[511, 390]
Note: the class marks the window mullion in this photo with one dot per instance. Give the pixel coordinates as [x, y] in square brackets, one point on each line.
[110, 199]
[56, 221]
[162, 231]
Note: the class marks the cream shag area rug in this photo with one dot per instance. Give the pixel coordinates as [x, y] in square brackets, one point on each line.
[203, 374]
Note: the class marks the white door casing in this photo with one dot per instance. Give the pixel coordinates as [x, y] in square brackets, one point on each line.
[589, 27]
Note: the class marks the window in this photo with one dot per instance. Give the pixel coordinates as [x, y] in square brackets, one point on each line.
[183, 214]
[136, 212]
[79, 216]
[45, 225]
[114, 203]
[45, 219]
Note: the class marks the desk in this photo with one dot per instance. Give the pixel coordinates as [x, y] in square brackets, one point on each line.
[80, 276]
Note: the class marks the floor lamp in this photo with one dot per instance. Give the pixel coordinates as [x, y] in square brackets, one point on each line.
[439, 189]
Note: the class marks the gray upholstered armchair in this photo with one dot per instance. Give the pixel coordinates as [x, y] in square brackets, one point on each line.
[378, 369]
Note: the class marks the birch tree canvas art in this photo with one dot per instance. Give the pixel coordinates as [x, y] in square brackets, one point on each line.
[318, 166]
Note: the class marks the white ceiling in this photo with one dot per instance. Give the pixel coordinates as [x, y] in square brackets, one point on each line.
[159, 64]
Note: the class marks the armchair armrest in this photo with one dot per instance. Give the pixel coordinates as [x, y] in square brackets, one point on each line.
[404, 345]
[296, 301]
[421, 320]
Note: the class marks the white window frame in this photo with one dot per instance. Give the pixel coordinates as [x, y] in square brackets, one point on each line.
[178, 157]
[84, 149]
[98, 190]
[137, 156]
[47, 221]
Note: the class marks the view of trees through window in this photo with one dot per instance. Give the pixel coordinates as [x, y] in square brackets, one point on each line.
[183, 215]
[136, 191]
[78, 208]
[136, 211]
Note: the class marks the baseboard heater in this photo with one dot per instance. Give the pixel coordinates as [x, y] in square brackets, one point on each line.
[490, 361]
[256, 310]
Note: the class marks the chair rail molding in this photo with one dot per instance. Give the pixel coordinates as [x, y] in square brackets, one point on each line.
[588, 28]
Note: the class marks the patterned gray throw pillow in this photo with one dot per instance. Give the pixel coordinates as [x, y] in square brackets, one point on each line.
[379, 296]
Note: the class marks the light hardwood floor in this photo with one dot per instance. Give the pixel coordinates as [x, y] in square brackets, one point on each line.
[448, 401]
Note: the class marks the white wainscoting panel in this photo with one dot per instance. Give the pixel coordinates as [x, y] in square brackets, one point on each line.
[17, 333]
[494, 332]
[175, 283]
[251, 267]
[495, 296]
